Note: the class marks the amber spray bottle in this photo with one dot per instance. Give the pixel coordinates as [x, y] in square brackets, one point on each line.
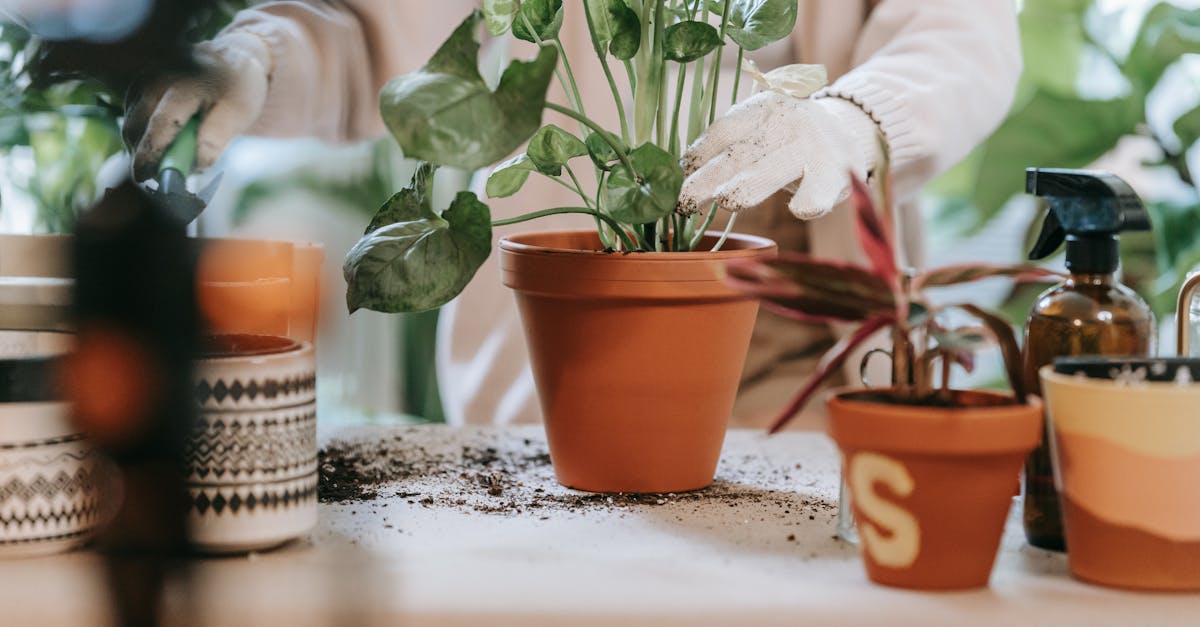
[1090, 313]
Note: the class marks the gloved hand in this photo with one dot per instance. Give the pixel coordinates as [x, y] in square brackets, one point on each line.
[774, 141]
[229, 92]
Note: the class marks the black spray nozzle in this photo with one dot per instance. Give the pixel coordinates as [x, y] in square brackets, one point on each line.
[1088, 209]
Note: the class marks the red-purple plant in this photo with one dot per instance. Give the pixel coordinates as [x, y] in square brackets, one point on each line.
[879, 297]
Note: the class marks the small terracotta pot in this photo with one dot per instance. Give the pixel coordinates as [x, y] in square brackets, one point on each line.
[636, 356]
[1127, 461]
[931, 486]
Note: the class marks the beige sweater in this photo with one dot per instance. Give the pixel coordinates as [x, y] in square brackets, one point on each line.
[938, 76]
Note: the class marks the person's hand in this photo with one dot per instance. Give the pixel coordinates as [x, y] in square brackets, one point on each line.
[774, 141]
[228, 91]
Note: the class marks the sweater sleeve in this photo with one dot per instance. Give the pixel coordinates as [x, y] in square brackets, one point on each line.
[328, 61]
[937, 76]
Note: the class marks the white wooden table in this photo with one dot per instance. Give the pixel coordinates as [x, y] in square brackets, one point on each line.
[505, 545]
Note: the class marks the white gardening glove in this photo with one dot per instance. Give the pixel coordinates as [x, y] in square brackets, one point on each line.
[774, 141]
[228, 91]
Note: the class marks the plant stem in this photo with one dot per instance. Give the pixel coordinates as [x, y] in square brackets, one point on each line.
[737, 76]
[696, 107]
[605, 238]
[616, 93]
[725, 234]
[566, 63]
[698, 235]
[599, 190]
[605, 135]
[578, 187]
[716, 66]
[660, 35]
[946, 363]
[649, 66]
[902, 354]
[674, 148]
[616, 226]
[567, 87]
[661, 124]
[602, 55]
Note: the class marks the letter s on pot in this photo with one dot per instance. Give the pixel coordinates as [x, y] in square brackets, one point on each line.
[901, 548]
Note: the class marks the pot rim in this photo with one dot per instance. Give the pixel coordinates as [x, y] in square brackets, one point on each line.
[282, 348]
[996, 429]
[1047, 373]
[517, 244]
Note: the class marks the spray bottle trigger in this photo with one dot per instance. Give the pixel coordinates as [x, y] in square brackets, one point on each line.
[1052, 236]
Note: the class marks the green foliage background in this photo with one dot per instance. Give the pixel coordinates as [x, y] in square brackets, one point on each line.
[1085, 88]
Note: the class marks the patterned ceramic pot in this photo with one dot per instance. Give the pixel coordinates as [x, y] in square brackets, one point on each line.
[252, 458]
[50, 477]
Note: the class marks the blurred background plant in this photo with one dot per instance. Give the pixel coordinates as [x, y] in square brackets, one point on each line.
[58, 131]
[1107, 84]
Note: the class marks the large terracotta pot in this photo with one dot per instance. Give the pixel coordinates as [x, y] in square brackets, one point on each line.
[1127, 461]
[636, 356]
[931, 486]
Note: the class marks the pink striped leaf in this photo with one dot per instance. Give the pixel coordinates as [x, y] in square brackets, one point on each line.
[968, 272]
[1003, 333]
[874, 236]
[811, 290]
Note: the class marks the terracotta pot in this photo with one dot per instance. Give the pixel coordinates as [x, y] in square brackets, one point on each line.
[260, 287]
[636, 356]
[1127, 461]
[931, 486]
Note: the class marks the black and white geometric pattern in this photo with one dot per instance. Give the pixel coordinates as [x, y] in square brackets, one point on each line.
[49, 486]
[239, 447]
[51, 490]
[253, 498]
[267, 389]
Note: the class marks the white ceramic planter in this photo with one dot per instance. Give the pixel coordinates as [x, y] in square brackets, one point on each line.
[252, 458]
[50, 481]
[50, 478]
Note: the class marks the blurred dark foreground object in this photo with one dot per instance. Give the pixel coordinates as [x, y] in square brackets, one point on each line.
[129, 380]
[155, 45]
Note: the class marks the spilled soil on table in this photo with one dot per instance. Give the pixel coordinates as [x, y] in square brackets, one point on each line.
[514, 477]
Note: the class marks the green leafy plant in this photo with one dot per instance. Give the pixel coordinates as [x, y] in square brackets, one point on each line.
[413, 257]
[881, 296]
[1087, 82]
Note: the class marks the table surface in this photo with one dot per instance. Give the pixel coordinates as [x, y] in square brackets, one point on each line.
[466, 526]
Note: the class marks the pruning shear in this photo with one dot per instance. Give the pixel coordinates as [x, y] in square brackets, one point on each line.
[176, 164]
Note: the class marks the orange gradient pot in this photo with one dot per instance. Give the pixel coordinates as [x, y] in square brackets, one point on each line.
[1127, 464]
[931, 486]
[636, 356]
